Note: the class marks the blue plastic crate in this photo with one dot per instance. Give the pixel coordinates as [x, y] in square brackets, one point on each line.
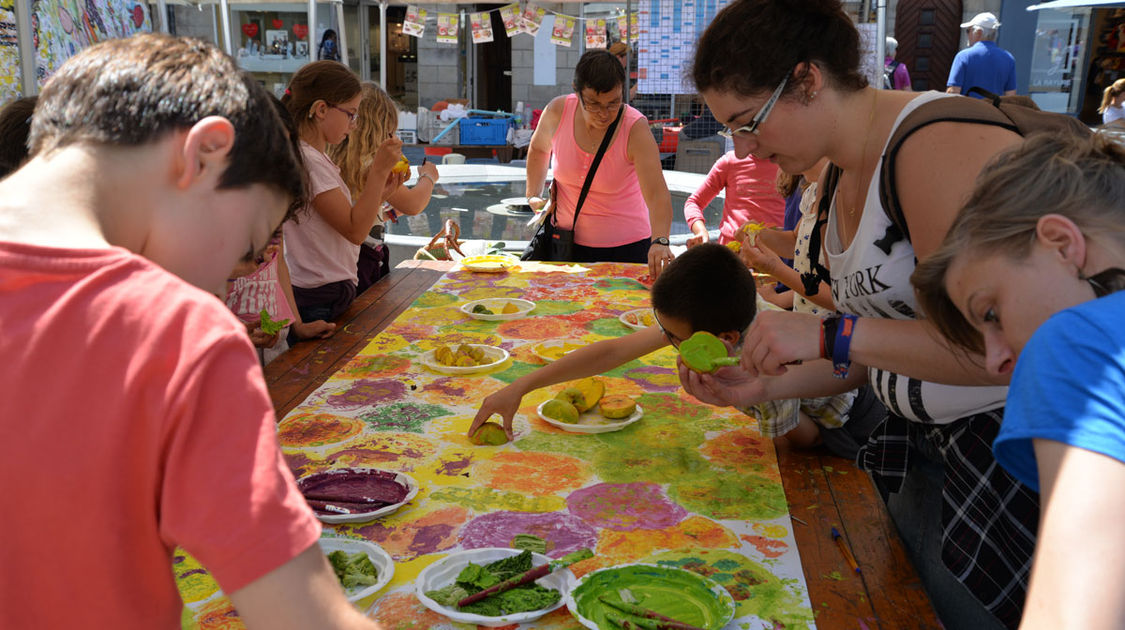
[484, 131]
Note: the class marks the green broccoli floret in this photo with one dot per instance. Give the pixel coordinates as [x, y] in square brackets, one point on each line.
[353, 569]
[482, 310]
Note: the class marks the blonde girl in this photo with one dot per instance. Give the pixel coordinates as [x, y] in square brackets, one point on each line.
[1112, 98]
[378, 121]
[321, 251]
[1030, 276]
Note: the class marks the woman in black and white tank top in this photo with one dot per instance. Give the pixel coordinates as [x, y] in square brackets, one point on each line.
[783, 76]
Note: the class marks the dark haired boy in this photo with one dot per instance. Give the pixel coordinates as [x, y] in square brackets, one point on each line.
[706, 288]
[135, 418]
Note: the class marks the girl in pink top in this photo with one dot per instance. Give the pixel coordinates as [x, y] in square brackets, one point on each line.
[627, 214]
[751, 196]
[322, 248]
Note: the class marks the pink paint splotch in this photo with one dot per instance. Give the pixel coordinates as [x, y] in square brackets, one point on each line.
[625, 506]
[563, 532]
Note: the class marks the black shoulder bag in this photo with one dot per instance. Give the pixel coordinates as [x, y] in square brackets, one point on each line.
[552, 242]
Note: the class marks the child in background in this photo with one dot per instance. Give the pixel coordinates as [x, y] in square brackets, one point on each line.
[750, 196]
[377, 122]
[322, 249]
[844, 421]
[1112, 98]
[263, 284]
[157, 164]
[705, 288]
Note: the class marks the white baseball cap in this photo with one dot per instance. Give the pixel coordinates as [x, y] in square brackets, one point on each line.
[986, 21]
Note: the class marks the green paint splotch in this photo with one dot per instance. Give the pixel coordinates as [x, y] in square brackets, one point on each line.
[656, 465]
[471, 325]
[574, 444]
[756, 590]
[431, 299]
[550, 308]
[404, 416]
[655, 432]
[619, 284]
[726, 495]
[514, 371]
[608, 327]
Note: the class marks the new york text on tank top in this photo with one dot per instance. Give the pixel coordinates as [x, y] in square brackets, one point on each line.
[860, 283]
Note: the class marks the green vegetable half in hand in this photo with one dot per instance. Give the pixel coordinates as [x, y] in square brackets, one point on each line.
[704, 352]
[269, 326]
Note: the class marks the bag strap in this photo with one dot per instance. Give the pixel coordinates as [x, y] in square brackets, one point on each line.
[817, 272]
[594, 166]
[960, 110]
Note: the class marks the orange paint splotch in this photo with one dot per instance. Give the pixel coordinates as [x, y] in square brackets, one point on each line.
[768, 547]
[537, 474]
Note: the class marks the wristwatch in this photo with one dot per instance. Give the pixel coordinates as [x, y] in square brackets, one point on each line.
[660, 240]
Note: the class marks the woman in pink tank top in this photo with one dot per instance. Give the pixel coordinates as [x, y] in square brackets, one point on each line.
[627, 214]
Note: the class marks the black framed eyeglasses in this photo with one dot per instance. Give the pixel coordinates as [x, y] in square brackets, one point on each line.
[351, 115]
[752, 127]
[672, 339]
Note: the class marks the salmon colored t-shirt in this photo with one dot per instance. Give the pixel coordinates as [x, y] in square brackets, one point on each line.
[751, 194]
[614, 212]
[134, 420]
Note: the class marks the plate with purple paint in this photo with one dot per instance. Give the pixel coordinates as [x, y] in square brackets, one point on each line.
[356, 495]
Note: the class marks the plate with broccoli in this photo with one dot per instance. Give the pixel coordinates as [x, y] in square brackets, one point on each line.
[497, 309]
[362, 567]
[442, 584]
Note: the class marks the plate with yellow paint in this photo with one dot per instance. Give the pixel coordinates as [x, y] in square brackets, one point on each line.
[491, 263]
[638, 318]
[554, 349]
[497, 309]
[451, 360]
[604, 597]
[591, 421]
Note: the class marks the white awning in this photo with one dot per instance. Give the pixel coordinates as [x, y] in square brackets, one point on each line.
[1075, 4]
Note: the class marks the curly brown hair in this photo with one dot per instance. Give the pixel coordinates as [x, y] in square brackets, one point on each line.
[376, 121]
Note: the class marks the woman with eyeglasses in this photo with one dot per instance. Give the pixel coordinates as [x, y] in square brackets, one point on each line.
[783, 76]
[627, 214]
[321, 250]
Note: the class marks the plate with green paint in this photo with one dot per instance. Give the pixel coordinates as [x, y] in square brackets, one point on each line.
[603, 598]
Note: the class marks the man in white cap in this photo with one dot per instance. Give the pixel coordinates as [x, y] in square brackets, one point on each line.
[983, 64]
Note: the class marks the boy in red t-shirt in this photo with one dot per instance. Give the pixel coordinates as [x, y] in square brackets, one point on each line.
[135, 418]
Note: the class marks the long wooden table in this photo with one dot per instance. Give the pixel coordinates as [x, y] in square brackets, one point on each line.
[822, 490]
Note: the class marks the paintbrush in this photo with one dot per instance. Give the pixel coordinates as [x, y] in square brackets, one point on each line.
[649, 618]
[528, 576]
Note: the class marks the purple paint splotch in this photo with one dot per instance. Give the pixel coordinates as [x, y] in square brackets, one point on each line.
[625, 506]
[563, 532]
[365, 392]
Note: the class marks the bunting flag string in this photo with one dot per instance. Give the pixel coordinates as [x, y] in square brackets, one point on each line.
[517, 20]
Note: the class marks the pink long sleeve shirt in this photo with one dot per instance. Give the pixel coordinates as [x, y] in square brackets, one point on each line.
[751, 194]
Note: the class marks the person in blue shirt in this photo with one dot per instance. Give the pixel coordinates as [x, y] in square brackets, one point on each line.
[983, 64]
[1030, 273]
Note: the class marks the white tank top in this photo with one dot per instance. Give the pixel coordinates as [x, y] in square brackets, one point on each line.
[869, 282]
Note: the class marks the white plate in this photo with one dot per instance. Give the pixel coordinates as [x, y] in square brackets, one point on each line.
[498, 356]
[495, 304]
[519, 203]
[542, 348]
[489, 263]
[363, 517]
[443, 572]
[382, 560]
[591, 421]
[693, 585]
[637, 313]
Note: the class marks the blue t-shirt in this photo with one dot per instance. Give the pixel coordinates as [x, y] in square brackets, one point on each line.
[984, 65]
[1068, 386]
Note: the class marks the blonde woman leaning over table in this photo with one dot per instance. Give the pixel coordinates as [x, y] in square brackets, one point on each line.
[376, 123]
[627, 215]
[968, 525]
[1030, 276]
